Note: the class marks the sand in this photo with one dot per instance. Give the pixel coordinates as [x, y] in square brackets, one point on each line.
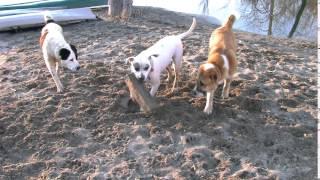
[265, 130]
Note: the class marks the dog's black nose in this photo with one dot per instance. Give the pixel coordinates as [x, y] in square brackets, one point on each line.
[141, 78]
[78, 67]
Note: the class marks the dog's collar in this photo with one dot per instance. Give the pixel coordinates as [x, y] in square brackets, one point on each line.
[43, 37]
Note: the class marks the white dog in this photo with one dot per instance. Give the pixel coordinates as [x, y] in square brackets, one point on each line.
[150, 63]
[56, 51]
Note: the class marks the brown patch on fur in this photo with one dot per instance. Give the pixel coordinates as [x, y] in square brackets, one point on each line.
[223, 38]
[43, 37]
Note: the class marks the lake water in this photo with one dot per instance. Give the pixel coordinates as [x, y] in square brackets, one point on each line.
[252, 15]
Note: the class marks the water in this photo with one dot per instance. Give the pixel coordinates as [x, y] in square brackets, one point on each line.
[251, 17]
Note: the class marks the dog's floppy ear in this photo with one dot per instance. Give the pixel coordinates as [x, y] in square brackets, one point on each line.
[150, 60]
[64, 53]
[129, 60]
[74, 49]
[153, 56]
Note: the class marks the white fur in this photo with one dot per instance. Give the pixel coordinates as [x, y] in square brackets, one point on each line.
[226, 87]
[158, 57]
[209, 103]
[225, 61]
[208, 66]
[55, 41]
[52, 44]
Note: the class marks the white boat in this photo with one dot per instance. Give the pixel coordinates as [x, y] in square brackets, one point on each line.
[35, 19]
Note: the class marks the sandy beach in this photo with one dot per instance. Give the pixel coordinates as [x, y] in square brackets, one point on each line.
[265, 130]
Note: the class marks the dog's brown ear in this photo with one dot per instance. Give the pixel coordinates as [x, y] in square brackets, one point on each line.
[129, 60]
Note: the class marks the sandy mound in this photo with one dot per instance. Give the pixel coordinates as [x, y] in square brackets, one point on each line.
[265, 130]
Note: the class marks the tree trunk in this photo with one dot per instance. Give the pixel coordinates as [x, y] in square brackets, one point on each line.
[115, 8]
[270, 18]
[126, 9]
[120, 8]
[299, 14]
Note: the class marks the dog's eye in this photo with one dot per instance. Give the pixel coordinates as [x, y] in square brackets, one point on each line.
[146, 68]
[71, 60]
[137, 68]
[215, 77]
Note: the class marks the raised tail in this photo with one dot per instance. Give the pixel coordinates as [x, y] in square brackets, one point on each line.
[47, 17]
[230, 21]
[193, 25]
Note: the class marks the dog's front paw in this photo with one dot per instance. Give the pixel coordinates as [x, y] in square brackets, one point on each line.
[207, 110]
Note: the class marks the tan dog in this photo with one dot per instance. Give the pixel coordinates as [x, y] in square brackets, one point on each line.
[221, 64]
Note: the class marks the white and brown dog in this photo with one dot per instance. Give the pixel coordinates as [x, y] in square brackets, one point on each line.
[56, 51]
[150, 63]
[220, 66]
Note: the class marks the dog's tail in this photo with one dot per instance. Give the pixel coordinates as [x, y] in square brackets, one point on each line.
[47, 17]
[230, 21]
[193, 25]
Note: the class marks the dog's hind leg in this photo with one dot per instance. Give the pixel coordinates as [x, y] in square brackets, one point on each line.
[177, 60]
[170, 74]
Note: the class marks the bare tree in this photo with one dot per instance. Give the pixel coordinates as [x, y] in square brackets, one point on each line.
[297, 19]
[204, 4]
[126, 9]
[120, 8]
[271, 17]
[258, 12]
